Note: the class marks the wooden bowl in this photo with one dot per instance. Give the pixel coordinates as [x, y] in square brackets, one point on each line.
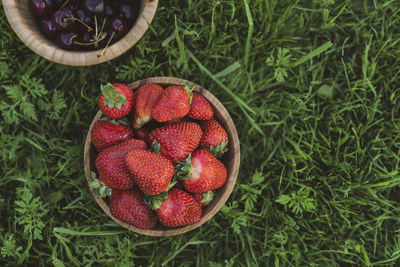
[231, 160]
[23, 23]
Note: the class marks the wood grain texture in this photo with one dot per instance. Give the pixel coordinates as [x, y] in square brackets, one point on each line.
[23, 24]
[231, 160]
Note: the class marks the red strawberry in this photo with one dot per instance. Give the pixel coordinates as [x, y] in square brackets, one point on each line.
[200, 108]
[106, 133]
[116, 100]
[146, 97]
[202, 172]
[173, 103]
[111, 166]
[177, 120]
[145, 130]
[204, 198]
[177, 140]
[180, 208]
[128, 206]
[151, 171]
[215, 139]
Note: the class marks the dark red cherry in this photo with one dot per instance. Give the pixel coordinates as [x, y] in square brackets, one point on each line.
[67, 40]
[40, 8]
[96, 7]
[81, 15]
[119, 26]
[47, 28]
[85, 41]
[64, 19]
[128, 12]
[110, 12]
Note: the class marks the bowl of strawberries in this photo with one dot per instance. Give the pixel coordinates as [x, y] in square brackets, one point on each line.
[161, 156]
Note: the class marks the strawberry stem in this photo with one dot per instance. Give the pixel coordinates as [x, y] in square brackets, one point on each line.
[219, 150]
[154, 202]
[184, 169]
[100, 189]
[112, 98]
[207, 197]
[155, 147]
[190, 91]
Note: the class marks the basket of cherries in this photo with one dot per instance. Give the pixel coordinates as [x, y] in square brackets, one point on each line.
[84, 25]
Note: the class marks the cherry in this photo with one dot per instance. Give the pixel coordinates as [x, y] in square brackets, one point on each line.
[110, 11]
[81, 15]
[119, 26]
[85, 41]
[66, 40]
[47, 28]
[129, 13]
[96, 7]
[40, 8]
[64, 19]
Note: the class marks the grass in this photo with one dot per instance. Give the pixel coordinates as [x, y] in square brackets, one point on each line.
[313, 88]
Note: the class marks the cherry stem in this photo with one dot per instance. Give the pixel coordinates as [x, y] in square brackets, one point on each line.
[102, 28]
[84, 24]
[108, 43]
[64, 4]
[93, 42]
[95, 25]
[98, 34]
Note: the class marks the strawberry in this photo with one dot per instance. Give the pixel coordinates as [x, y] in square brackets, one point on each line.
[146, 97]
[204, 198]
[150, 171]
[176, 120]
[145, 130]
[116, 100]
[201, 172]
[180, 208]
[173, 103]
[106, 133]
[177, 140]
[128, 206]
[215, 139]
[111, 166]
[200, 108]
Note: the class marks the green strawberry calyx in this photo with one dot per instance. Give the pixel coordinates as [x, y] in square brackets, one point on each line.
[184, 169]
[190, 91]
[100, 189]
[155, 147]
[207, 197]
[154, 202]
[219, 150]
[123, 120]
[112, 98]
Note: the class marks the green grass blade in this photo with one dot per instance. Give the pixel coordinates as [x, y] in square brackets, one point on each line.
[229, 91]
[249, 32]
[62, 230]
[313, 54]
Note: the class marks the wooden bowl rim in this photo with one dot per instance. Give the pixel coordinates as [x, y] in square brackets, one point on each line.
[232, 175]
[47, 49]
